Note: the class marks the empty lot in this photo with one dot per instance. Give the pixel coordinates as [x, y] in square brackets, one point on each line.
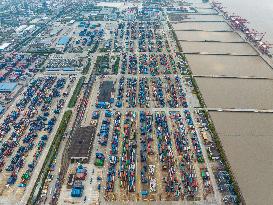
[196, 17]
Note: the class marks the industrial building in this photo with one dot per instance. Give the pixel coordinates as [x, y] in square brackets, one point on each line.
[7, 87]
[63, 41]
[4, 46]
[65, 70]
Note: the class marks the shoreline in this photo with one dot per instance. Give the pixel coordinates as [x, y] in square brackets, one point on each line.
[216, 127]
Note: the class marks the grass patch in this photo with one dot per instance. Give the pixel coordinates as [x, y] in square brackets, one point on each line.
[87, 67]
[49, 158]
[175, 37]
[73, 99]
[102, 64]
[103, 50]
[116, 65]
[197, 92]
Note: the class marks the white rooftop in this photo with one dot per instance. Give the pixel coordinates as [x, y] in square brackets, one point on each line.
[3, 46]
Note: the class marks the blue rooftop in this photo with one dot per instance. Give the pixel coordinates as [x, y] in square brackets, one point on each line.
[63, 40]
[60, 69]
[1, 109]
[7, 87]
[68, 69]
[53, 69]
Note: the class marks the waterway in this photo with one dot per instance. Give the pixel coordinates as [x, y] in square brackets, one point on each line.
[246, 137]
[258, 12]
[247, 140]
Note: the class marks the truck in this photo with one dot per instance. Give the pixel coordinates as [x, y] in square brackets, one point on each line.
[103, 105]
[77, 189]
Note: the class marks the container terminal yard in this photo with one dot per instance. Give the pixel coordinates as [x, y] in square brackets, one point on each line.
[135, 102]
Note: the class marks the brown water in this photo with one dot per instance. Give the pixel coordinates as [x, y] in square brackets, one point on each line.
[202, 26]
[247, 141]
[229, 65]
[237, 93]
[212, 18]
[208, 36]
[218, 48]
[247, 138]
[258, 12]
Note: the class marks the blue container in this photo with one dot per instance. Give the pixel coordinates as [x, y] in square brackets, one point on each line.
[76, 192]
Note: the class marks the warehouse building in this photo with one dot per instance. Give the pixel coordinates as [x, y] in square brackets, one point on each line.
[65, 70]
[7, 87]
[63, 41]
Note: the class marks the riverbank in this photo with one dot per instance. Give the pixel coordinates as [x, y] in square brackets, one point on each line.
[213, 49]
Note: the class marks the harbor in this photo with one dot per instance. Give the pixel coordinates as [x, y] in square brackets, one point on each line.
[234, 77]
[135, 102]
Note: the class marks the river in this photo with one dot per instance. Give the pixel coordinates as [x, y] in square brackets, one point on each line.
[258, 12]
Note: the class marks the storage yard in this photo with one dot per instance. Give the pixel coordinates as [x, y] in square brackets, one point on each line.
[27, 128]
[234, 77]
[150, 143]
[128, 102]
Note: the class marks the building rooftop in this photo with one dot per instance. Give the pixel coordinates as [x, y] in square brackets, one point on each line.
[65, 69]
[7, 87]
[3, 46]
[63, 40]
[68, 69]
[55, 31]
